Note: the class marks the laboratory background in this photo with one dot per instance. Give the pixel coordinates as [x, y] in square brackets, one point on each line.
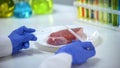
[100, 20]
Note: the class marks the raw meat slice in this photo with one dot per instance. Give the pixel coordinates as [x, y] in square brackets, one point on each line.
[64, 36]
[57, 41]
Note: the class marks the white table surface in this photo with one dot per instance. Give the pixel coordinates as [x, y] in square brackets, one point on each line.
[107, 56]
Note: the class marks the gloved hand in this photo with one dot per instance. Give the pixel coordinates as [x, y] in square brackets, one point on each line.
[80, 51]
[20, 38]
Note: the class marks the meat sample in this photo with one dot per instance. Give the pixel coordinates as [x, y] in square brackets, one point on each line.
[64, 36]
[57, 40]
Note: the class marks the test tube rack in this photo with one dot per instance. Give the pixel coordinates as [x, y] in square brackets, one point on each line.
[96, 8]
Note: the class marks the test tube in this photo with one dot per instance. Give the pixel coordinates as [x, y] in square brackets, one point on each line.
[83, 9]
[105, 14]
[91, 12]
[119, 11]
[96, 12]
[109, 15]
[79, 10]
[100, 13]
[86, 10]
[114, 6]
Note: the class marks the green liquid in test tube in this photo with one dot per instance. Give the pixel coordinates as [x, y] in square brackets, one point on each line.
[119, 11]
[41, 6]
[100, 13]
[6, 8]
[114, 6]
[105, 14]
[109, 15]
[86, 10]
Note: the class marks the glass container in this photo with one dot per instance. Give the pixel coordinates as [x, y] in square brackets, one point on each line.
[6, 8]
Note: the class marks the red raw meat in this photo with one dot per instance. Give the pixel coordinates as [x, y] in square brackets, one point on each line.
[64, 36]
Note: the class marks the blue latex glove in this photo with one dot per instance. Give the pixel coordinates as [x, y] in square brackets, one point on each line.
[20, 38]
[80, 51]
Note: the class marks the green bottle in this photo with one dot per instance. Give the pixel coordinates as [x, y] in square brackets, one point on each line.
[114, 6]
[41, 6]
[6, 8]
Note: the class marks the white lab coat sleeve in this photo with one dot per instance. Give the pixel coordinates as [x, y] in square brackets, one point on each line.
[62, 60]
[5, 46]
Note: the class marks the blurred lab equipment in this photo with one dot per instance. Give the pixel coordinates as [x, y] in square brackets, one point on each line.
[41, 6]
[6, 8]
